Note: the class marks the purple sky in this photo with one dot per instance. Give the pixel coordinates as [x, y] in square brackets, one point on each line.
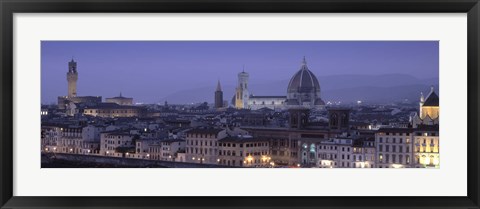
[150, 70]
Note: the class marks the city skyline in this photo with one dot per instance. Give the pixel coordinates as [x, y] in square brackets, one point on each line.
[149, 71]
[299, 120]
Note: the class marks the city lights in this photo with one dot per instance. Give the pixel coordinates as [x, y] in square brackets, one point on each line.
[296, 117]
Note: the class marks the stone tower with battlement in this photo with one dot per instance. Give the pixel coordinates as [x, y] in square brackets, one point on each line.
[72, 77]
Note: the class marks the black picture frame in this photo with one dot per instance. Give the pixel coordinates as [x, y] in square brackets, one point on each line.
[10, 7]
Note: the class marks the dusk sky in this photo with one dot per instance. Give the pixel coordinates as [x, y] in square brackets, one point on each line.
[151, 70]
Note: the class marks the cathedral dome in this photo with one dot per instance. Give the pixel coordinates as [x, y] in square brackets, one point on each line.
[304, 88]
[304, 81]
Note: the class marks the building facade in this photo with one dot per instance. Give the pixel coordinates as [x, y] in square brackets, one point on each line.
[111, 110]
[202, 145]
[427, 147]
[271, 102]
[244, 151]
[111, 141]
[394, 147]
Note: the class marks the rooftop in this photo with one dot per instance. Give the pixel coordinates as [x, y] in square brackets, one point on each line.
[242, 139]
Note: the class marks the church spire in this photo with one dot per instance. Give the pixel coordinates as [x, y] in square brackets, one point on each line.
[422, 98]
[219, 87]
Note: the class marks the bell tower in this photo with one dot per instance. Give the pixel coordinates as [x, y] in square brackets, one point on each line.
[72, 77]
[219, 96]
[241, 92]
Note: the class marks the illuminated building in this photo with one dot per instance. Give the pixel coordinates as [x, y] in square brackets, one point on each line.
[202, 145]
[244, 151]
[241, 92]
[429, 110]
[427, 149]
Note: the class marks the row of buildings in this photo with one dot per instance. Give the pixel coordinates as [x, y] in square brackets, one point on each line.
[337, 144]
[254, 147]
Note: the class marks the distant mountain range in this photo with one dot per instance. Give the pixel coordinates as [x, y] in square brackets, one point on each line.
[344, 88]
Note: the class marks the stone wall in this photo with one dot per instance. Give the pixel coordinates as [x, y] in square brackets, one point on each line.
[83, 161]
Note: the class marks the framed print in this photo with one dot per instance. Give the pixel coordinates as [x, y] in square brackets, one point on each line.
[195, 104]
